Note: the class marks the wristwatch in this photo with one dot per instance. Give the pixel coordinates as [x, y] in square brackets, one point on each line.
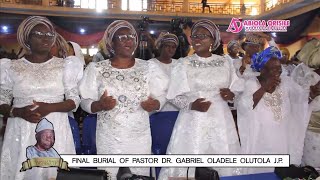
[11, 112]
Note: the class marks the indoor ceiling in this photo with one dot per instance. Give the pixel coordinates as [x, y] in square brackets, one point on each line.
[92, 25]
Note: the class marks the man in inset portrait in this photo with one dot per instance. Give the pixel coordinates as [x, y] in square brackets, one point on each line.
[45, 140]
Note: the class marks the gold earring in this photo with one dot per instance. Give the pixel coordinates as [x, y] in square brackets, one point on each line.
[210, 49]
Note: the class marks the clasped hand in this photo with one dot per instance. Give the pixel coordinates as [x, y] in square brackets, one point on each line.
[150, 104]
[226, 94]
[33, 113]
[200, 105]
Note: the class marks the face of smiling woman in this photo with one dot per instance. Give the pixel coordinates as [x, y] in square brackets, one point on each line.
[124, 43]
[41, 39]
[201, 42]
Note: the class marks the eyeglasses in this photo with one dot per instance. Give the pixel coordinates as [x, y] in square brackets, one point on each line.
[126, 37]
[200, 36]
[39, 34]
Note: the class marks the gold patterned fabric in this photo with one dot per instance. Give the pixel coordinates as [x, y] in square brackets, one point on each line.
[310, 53]
[314, 124]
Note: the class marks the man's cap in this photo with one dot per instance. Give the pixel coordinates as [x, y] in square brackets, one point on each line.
[44, 124]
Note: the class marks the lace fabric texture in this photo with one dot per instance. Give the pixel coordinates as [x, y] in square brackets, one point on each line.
[42, 82]
[211, 132]
[124, 129]
[311, 151]
[274, 101]
[287, 69]
[5, 96]
[305, 77]
[181, 102]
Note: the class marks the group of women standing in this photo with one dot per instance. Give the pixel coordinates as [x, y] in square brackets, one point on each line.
[123, 90]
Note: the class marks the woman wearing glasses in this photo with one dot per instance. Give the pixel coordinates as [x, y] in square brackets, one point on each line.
[201, 86]
[41, 86]
[122, 90]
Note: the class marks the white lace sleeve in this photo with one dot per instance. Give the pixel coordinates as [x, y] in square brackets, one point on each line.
[6, 83]
[297, 93]
[88, 87]
[305, 76]
[315, 104]
[237, 64]
[179, 80]
[158, 82]
[300, 116]
[73, 72]
[236, 83]
[181, 102]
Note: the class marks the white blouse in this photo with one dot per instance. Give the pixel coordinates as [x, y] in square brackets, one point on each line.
[140, 81]
[25, 81]
[167, 69]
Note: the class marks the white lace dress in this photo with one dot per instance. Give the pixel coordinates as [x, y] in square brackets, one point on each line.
[51, 82]
[306, 77]
[277, 124]
[124, 129]
[211, 132]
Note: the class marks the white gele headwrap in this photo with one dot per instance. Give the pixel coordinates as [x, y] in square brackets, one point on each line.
[62, 46]
[27, 25]
[113, 28]
[212, 28]
[166, 37]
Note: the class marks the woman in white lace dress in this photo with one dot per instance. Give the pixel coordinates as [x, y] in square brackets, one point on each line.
[167, 44]
[201, 85]
[122, 90]
[307, 74]
[233, 48]
[272, 111]
[40, 86]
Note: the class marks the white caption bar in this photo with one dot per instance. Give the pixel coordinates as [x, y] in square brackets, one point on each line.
[177, 160]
